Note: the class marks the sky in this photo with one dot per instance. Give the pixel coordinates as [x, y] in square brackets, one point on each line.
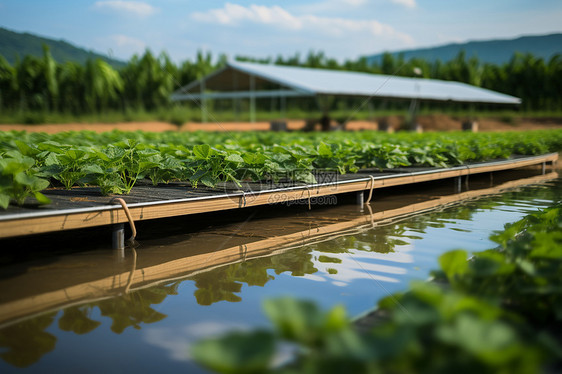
[342, 29]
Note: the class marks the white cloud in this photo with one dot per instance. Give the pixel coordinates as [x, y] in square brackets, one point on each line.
[176, 344]
[234, 14]
[128, 7]
[275, 16]
[329, 6]
[410, 4]
[178, 340]
[354, 2]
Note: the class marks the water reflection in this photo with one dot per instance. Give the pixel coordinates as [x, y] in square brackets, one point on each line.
[77, 319]
[81, 295]
[225, 283]
[135, 308]
[24, 343]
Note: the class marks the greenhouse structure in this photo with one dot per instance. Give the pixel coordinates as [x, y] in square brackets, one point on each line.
[243, 80]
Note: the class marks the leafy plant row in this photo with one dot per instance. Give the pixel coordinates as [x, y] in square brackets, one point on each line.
[497, 311]
[115, 161]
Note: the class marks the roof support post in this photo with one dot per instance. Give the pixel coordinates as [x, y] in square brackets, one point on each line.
[283, 107]
[235, 101]
[203, 102]
[414, 108]
[252, 99]
[413, 115]
[236, 108]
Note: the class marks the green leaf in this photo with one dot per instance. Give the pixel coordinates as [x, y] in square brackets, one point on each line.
[51, 146]
[490, 262]
[42, 199]
[454, 263]
[336, 319]
[527, 267]
[490, 340]
[325, 150]
[348, 345]
[234, 157]
[236, 352]
[75, 154]
[233, 178]
[15, 166]
[209, 181]
[280, 158]
[24, 179]
[296, 320]
[39, 184]
[52, 159]
[306, 177]
[101, 155]
[547, 245]
[25, 149]
[202, 152]
[4, 201]
[92, 169]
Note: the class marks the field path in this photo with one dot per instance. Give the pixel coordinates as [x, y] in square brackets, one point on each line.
[428, 122]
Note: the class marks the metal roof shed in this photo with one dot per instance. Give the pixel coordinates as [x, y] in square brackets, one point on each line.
[251, 80]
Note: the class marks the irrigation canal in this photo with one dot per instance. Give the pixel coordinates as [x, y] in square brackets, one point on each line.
[68, 299]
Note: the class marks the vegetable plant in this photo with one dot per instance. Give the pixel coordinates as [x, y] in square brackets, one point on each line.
[115, 161]
[18, 180]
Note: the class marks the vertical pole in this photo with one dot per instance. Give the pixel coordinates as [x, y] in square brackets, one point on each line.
[458, 184]
[203, 102]
[413, 110]
[237, 114]
[235, 100]
[466, 183]
[543, 168]
[252, 99]
[360, 199]
[118, 236]
[283, 107]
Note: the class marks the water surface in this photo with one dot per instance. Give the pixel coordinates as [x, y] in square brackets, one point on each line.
[91, 311]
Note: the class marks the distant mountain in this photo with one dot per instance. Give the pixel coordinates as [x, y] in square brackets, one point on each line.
[14, 44]
[493, 51]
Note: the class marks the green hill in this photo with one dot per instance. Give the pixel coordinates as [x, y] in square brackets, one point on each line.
[14, 44]
[493, 51]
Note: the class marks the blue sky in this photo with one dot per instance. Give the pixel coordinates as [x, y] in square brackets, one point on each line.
[343, 29]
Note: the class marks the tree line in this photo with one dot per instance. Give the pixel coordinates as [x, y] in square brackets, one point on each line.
[146, 82]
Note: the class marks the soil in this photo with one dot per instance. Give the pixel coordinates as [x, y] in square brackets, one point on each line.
[433, 122]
